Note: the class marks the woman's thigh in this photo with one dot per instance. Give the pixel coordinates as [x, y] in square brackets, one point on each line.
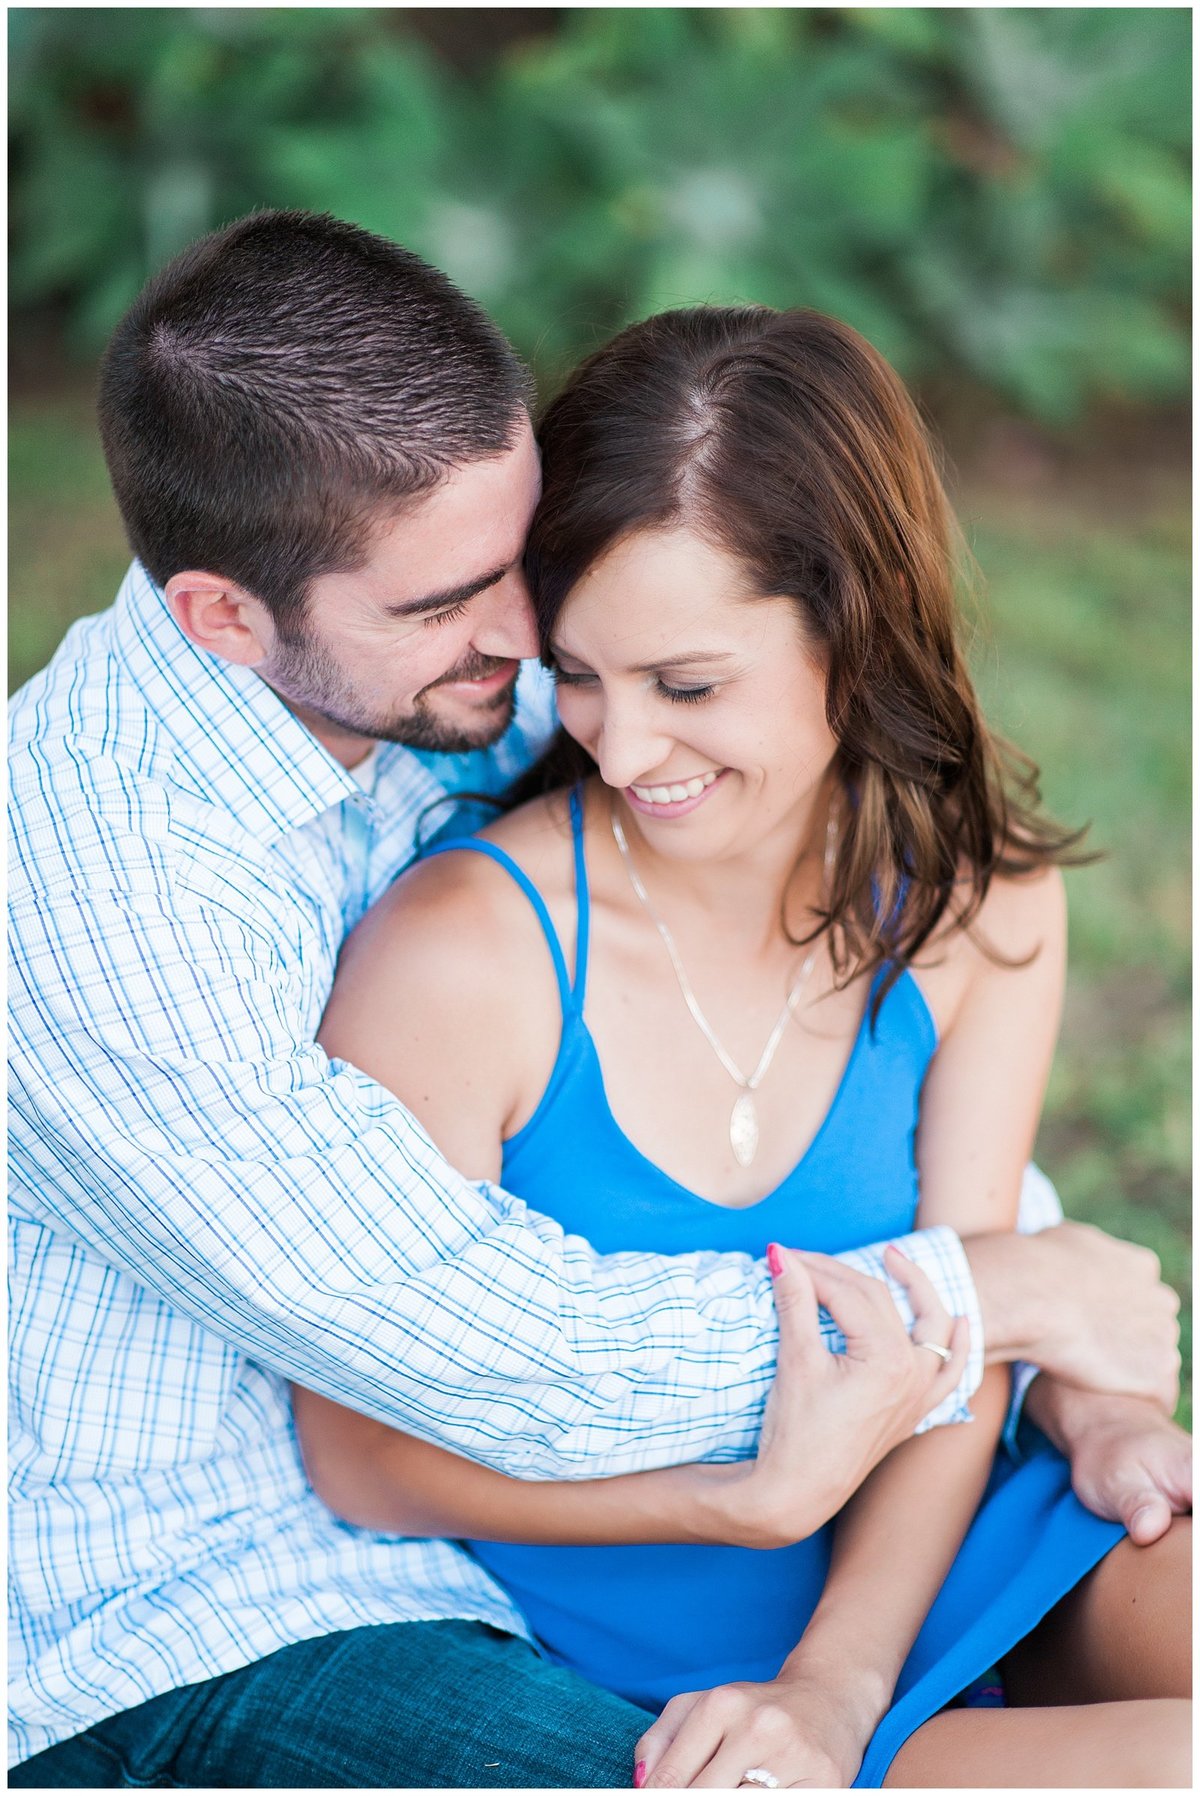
[1106, 1746]
[1125, 1632]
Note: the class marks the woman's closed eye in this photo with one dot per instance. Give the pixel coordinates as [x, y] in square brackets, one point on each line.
[683, 695]
[676, 695]
[561, 677]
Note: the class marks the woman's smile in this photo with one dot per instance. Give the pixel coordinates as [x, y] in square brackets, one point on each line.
[674, 799]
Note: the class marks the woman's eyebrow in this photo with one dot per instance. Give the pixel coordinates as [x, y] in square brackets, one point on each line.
[709, 657]
[694, 658]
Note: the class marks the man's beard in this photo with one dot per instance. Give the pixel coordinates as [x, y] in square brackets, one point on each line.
[306, 677]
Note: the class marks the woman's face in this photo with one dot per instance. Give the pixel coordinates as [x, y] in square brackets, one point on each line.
[701, 704]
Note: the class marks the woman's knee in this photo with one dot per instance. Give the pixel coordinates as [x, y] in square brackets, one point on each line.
[1119, 1745]
[1154, 1750]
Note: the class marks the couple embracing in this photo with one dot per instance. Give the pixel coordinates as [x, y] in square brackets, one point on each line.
[521, 1237]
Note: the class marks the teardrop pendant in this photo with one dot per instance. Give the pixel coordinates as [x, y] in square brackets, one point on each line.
[743, 1130]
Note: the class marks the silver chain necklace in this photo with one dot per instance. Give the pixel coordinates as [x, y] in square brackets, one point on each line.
[743, 1119]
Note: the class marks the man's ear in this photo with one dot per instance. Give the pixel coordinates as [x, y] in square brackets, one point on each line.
[222, 617]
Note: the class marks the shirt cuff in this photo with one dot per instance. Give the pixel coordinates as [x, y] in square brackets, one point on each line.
[941, 1256]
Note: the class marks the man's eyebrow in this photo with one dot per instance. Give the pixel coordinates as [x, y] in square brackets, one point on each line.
[453, 595]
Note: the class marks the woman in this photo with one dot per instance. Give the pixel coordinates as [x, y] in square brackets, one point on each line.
[785, 964]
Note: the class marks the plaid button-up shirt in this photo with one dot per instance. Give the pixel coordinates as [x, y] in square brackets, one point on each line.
[203, 1204]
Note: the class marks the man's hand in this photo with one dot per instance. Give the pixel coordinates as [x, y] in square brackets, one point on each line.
[1128, 1463]
[1090, 1309]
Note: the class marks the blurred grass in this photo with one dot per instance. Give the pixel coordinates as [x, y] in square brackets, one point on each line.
[1085, 662]
[66, 547]
[1082, 656]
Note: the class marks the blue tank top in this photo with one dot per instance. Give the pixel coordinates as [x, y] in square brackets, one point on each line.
[650, 1621]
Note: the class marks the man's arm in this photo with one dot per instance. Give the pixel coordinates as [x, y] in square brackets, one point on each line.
[176, 1120]
[172, 1112]
[1129, 1463]
[853, 1405]
[1089, 1309]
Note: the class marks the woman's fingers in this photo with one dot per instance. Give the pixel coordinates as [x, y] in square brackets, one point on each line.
[932, 1322]
[949, 1373]
[931, 1318]
[665, 1749]
[717, 1736]
[863, 1309]
[876, 1337]
[861, 1306]
[724, 1771]
[795, 1304]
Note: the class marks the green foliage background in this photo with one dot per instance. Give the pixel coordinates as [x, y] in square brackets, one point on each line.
[997, 197]
[995, 194]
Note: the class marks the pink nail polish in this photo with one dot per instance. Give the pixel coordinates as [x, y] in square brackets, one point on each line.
[774, 1260]
[900, 1251]
[639, 1774]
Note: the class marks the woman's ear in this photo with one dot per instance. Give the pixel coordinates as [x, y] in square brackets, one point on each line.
[221, 617]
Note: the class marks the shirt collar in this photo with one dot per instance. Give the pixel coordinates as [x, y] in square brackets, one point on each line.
[230, 732]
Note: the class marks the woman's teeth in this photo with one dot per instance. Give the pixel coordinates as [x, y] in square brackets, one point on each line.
[673, 794]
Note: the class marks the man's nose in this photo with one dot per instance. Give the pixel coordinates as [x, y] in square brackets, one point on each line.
[507, 628]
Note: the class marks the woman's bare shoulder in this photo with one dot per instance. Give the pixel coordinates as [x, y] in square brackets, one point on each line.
[456, 925]
[538, 837]
[1022, 914]
[1021, 926]
[1019, 911]
[445, 985]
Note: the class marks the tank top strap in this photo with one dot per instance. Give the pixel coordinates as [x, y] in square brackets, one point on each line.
[474, 845]
[583, 906]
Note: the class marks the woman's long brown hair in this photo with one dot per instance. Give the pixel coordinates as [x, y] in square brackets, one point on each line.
[785, 439]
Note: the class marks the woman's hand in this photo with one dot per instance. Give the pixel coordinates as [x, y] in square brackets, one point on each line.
[830, 1417]
[801, 1727]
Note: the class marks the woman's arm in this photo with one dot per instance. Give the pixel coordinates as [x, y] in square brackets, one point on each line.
[895, 1542]
[416, 1004]
[980, 1105]
[898, 1535]
[376, 1477]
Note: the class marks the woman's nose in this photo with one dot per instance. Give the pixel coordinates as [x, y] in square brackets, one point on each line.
[630, 747]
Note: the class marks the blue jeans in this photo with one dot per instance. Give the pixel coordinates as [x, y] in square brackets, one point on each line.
[421, 1705]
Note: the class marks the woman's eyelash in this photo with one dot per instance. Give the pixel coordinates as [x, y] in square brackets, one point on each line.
[443, 617]
[676, 695]
[684, 695]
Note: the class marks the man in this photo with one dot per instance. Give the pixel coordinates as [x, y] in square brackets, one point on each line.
[323, 457]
